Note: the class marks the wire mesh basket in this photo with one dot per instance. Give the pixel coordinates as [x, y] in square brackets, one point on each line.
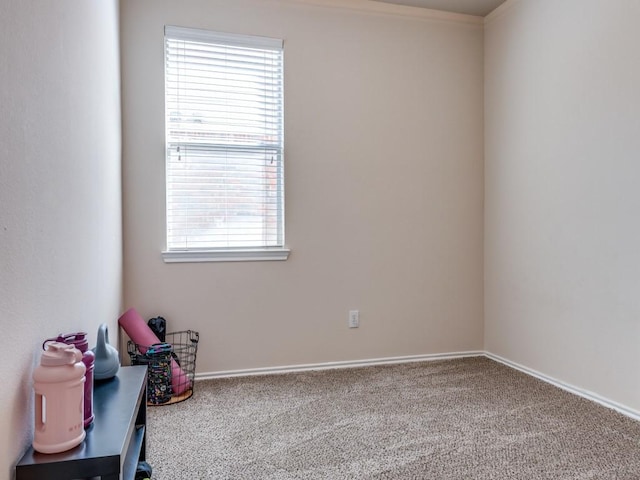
[171, 366]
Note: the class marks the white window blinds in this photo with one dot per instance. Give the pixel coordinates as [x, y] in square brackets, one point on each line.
[224, 140]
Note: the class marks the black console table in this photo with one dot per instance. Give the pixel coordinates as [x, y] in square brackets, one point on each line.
[114, 443]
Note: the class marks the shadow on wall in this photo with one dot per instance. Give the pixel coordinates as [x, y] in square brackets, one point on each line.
[21, 407]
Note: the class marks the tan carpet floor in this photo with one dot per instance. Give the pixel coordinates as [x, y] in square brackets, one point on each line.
[458, 419]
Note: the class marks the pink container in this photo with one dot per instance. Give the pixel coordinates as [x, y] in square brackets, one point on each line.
[58, 383]
[79, 340]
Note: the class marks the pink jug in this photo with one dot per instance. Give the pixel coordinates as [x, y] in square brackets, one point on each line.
[58, 383]
[79, 340]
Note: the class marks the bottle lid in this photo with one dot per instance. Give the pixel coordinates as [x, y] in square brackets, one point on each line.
[58, 353]
[78, 340]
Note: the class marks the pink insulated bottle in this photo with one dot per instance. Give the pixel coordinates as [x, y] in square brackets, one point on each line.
[79, 340]
[58, 383]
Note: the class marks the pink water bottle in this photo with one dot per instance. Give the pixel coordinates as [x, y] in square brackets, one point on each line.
[58, 383]
[79, 340]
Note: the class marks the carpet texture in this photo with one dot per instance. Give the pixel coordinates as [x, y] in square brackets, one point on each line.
[458, 419]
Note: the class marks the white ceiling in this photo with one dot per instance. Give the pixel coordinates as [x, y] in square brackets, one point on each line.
[471, 7]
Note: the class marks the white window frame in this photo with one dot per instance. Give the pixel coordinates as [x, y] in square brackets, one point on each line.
[216, 254]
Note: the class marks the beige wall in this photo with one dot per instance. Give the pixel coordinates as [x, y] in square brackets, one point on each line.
[562, 242]
[384, 187]
[60, 193]
[384, 172]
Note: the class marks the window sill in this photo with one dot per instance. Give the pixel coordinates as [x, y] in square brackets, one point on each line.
[237, 255]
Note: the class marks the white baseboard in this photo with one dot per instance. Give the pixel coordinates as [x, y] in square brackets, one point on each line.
[594, 397]
[336, 365]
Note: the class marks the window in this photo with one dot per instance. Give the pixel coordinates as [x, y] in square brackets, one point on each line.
[224, 146]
